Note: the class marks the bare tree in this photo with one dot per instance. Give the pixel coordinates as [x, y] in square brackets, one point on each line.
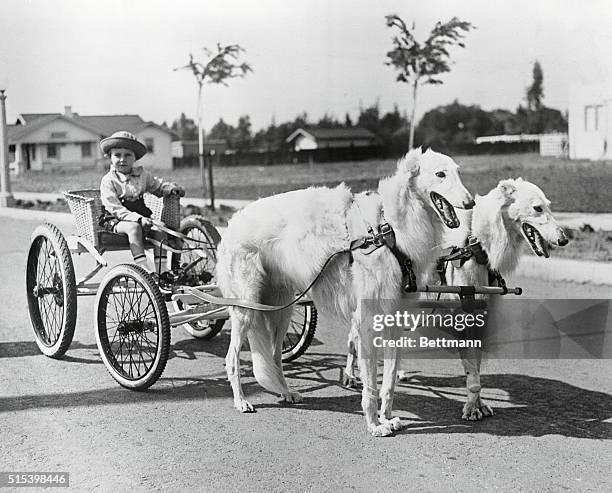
[420, 63]
[221, 66]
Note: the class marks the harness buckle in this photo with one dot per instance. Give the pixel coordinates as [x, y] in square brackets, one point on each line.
[384, 235]
[480, 256]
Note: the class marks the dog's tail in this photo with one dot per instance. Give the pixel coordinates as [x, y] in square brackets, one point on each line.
[267, 372]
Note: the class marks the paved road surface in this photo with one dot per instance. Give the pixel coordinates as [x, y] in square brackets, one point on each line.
[551, 431]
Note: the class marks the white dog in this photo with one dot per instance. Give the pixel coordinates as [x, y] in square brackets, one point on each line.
[276, 246]
[514, 210]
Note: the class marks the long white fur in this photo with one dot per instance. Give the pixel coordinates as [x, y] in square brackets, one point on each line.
[275, 247]
[495, 221]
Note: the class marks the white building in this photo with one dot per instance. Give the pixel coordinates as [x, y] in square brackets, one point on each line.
[53, 140]
[590, 121]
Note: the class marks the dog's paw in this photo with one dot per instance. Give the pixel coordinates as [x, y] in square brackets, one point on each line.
[485, 409]
[394, 423]
[349, 381]
[244, 406]
[475, 410]
[292, 397]
[471, 413]
[381, 430]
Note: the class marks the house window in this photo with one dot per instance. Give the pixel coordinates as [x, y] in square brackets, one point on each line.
[150, 145]
[591, 117]
[59, 135]
[86, 149]
[51, 150]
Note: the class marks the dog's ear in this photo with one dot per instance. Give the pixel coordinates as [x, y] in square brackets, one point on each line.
[409, 164]
[507, 187]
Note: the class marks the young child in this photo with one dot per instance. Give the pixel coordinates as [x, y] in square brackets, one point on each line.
[122, 188]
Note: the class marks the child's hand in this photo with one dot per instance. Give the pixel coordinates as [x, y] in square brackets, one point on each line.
[146, 222]
[177, 190]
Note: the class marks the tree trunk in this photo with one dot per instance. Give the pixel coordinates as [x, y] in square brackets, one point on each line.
[205, 164]
[201, 144]
[412, 124]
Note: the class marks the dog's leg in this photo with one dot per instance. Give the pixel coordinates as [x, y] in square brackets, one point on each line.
[347, 376]
[475, 408]
[240, 320]
[279, 323]
[368, 358]
[388, 384]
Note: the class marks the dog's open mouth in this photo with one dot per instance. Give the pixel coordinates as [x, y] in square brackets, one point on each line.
[538, 244]
[445, 210]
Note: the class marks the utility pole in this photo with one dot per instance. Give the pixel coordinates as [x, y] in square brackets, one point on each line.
[6, 197]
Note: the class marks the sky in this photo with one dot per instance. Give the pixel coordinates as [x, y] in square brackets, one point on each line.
[318, 56]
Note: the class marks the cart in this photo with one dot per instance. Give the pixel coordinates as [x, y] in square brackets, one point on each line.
[132, 321]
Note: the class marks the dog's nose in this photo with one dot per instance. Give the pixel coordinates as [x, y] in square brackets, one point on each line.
[562, 241]
[469, 204]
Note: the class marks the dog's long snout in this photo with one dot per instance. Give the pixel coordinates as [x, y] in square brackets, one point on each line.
[469, 203]
[562, 240]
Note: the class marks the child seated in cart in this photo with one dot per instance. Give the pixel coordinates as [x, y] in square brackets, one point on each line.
[121, 192]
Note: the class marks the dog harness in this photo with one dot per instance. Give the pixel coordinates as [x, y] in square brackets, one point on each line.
[460, 255]
[384, 235]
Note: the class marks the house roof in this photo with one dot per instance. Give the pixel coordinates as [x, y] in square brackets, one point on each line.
[328, 134]
[103, 125]
[107, 124]
[17, 132]
[25, 118]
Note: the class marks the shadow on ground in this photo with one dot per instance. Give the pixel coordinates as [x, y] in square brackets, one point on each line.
[534, 406]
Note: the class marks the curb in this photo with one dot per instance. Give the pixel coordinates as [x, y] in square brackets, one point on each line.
[563, 269]
[552, 269]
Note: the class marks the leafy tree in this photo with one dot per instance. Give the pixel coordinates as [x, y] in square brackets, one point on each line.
[243, 133]
[218, 69]
[222, 130]
[185, 128]
[535, 92]
[455, 123]
[370, 118]
[328, 121]
[348, 123]
[421, 63]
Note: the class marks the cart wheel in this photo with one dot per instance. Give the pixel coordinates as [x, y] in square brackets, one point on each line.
[132, 327]
[301, 331]
[200, 229]
[51, 290]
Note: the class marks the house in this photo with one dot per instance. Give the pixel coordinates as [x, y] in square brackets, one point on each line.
[590, 121]
[552, 144]
[308, 139]
[187, 148]
[58, 141]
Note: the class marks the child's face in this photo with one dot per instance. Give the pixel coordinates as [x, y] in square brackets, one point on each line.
[122, 159]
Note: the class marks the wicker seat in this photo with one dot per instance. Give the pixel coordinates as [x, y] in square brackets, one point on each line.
[86, 207]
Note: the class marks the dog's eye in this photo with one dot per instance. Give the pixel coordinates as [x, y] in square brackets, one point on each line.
[537, 208]
[441, 174]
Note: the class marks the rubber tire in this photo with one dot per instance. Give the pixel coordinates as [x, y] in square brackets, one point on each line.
[162, 348]
[204, 329]
[308, 326]
[50, 233]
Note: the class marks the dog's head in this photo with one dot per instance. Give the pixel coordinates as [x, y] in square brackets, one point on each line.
[435, 180]
[528, 210]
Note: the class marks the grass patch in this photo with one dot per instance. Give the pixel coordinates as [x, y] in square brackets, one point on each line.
[572, 186]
